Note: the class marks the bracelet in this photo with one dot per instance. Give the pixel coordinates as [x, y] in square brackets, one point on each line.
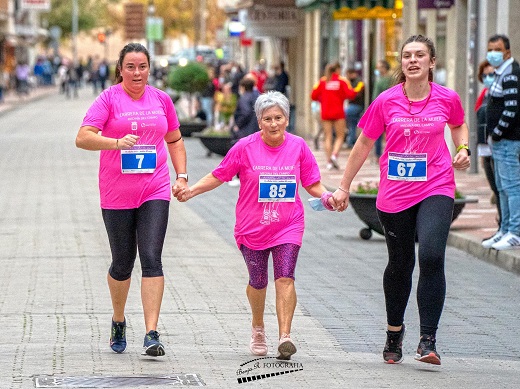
[462, 147]
[174, 141]
[343, 190]
[117, 144]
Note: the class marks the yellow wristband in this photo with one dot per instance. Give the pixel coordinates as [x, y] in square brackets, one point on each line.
[462, 147]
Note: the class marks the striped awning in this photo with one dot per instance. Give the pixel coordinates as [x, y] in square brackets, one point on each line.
[358, 9]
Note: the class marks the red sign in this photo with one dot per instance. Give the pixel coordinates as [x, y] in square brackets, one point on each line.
[244, 41]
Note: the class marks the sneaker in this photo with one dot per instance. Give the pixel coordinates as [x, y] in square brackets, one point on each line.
[393, 351]
[152, 346]
[118, 337]
[509, 241]
[258, 344]
[487, 243]
[286, 347]
[334, 161]
[426, 351]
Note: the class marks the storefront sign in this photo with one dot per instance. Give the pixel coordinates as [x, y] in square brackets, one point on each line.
[42, 5]
[424, 4]
[271, 21]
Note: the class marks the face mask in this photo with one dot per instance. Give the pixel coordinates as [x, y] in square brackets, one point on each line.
[377, 73]
[495, 58]
[488, 80]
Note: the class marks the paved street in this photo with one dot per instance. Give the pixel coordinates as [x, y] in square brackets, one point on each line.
[55, 308]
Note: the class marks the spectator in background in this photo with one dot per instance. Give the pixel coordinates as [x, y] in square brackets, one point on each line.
[225, 105]
[282, 78]
[103, 74]
[331, 91]
[486, 75]
[245, 117]
[355, 106]
[207, 98]
[237, 73]
[383, 82]
[260, 75]
[503, 127]
[22, 72]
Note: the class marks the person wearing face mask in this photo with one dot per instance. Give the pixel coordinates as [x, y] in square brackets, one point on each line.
[486, 75]
[503, 127]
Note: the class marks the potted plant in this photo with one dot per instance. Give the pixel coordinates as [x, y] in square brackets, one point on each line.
[190, 79]
[215, 140]
[363, 201]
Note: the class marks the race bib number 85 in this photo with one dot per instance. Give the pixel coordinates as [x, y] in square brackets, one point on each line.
[277, 188]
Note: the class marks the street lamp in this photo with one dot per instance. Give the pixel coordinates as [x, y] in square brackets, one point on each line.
[151, 43]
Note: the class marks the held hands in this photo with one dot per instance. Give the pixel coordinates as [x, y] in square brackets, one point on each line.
[461, 160]
[340, 199]
[127, 142]
[181, 191]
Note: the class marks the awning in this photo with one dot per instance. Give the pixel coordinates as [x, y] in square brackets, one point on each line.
[358, 9]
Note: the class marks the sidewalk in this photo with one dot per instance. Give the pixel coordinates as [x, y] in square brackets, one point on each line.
[476, 222]
[13, 101]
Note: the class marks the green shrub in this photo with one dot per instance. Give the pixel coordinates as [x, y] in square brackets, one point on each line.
[191, 78]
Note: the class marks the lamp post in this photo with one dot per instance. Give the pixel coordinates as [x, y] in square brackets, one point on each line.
[151, 42]
[74, 31]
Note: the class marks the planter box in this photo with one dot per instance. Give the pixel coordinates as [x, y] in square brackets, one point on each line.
[218, 144]
[364, 206]
[189, 127]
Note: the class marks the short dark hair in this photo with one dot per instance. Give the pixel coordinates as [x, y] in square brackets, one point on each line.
[385, 64]
[503, 38]
[247, 83]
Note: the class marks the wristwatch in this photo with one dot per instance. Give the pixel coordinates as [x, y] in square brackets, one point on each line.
[183, 175]
[464, 147]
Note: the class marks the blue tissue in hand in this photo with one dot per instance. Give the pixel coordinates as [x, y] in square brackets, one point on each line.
[316, 204]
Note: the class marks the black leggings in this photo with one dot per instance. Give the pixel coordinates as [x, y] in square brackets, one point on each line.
[430, 220]
[130, 229]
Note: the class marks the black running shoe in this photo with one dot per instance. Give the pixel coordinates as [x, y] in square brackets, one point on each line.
[393, 352]
[426, 351]
[152, 346]
[118, 337]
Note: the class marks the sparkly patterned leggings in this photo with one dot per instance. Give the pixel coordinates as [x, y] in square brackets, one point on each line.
[257, 261]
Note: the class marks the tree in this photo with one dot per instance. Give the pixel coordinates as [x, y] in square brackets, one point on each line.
[91, 14]
[191, 78]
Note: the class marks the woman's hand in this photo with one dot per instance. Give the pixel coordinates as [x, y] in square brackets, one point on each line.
[127, 142]
[181, 191]
[461, 160]
[340, 198]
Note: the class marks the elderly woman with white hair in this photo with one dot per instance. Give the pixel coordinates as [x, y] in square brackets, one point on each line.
[272, 164]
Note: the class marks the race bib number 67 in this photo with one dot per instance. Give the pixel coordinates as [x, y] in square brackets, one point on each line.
[407, 167]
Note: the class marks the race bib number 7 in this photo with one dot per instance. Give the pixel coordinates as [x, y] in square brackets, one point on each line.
[139, 159]
[276, 188]
[407, 167]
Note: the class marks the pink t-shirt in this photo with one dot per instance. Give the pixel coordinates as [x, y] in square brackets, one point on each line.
[267, 173]
[416, 162]
[116, 114]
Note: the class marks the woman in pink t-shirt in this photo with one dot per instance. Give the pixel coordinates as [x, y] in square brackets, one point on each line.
[135, 127]
[416, 190]
[271, 165]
